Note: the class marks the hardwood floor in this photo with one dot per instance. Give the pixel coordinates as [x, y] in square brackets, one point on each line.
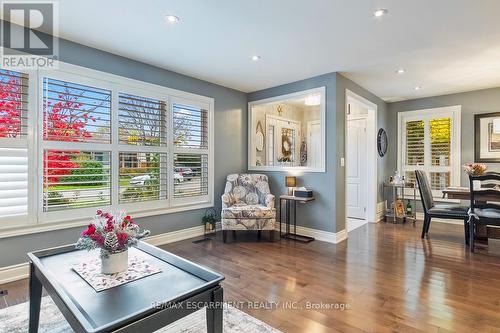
[391, 280]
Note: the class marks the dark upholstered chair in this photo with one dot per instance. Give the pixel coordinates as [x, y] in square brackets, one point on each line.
[481, 212]
[445, 211]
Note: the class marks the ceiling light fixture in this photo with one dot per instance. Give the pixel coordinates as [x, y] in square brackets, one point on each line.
[172, 18]
[417, 88]
[256, 58]
[400, 71]
[380, 12]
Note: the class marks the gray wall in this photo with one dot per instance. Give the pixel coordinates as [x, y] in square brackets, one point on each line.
[473, 102]
[319, 214]
[230, 143]
[344, 83]
[328, 211]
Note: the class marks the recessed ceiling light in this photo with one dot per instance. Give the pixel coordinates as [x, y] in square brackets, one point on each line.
[400, 71]
[172, 18]
[417, 88]
[380, 12]
[256, 58]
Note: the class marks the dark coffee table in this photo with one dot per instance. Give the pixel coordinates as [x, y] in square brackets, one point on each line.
[182, 287]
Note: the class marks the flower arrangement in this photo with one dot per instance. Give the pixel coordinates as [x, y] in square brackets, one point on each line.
[112, 233]
[474, 169]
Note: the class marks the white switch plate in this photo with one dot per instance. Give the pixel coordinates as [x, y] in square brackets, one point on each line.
[342, 161]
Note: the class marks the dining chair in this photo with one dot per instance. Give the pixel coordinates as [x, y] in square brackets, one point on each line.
[445, 211]
[483, 212]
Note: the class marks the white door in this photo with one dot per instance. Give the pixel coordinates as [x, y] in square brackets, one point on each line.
[314, 144]
[356, 175]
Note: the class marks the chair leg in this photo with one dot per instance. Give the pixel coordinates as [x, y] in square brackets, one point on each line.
[224, 235]
[466, 231]
[428, 225]
[271, 235]
[424, 226]
[472, 227]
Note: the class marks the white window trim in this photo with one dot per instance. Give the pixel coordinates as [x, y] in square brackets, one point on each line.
[251, 133]
[39, 221]
[449, 111]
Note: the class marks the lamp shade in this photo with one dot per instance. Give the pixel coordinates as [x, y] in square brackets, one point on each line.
[290, 181]
[496, 125]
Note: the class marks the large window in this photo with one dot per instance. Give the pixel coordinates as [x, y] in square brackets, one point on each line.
[75, 140]
[429, 140]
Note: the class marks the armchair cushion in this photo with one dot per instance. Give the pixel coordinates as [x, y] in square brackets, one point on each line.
[248, 212]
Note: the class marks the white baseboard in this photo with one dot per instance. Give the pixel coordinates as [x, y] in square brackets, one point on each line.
[175, 236]
[14, 273]
[21, 271]
[325, 236]
[420, 216]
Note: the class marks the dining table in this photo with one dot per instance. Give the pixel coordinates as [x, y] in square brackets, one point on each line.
[463, 193]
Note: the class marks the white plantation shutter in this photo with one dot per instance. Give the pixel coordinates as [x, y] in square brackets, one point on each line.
[193, 175]
[142, 173]
[73, 141]
[13, 182]
[143, 176]
[142, 121]
[415, 136]
[13, 104]
[76, 179]
[190, 127]
[427, 144]
[13, 144]
[191, 151]
[83, 111]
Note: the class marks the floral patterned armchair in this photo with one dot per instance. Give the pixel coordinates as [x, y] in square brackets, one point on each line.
[247, 204]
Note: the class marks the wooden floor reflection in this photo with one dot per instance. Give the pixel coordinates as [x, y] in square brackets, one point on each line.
[390, 280]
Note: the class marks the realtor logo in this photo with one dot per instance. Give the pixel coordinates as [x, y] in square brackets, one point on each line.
[28, 30]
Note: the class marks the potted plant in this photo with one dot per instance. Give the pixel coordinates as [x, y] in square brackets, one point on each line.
[113, 235]
[209, 220]
[475, 169]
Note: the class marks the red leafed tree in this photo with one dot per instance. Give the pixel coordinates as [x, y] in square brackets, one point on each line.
[10, 108]
[65, 121]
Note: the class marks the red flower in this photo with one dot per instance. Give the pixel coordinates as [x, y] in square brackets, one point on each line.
[90, 230]
[99, 212]
[98, 239]
[122, 238]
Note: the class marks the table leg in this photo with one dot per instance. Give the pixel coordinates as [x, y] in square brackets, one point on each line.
[295, 217]
[215, 312]
[288, 217]
[281, 206]
[35, 300]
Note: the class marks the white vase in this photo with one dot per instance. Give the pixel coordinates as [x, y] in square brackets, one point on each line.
[114, 263]
[476, 184]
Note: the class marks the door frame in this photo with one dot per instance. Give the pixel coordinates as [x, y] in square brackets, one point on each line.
[371, 152]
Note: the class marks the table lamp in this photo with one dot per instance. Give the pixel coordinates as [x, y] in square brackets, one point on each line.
[290, 182]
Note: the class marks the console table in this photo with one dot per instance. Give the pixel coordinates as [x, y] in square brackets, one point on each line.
[289, 199]
[144, 305]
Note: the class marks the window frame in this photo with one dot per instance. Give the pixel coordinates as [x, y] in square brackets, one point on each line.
[452, 112]
[37, 220]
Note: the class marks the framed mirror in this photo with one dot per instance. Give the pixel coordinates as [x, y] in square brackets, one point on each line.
[288, 132]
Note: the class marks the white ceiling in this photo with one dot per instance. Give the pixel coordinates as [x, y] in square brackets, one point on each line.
[445, 46]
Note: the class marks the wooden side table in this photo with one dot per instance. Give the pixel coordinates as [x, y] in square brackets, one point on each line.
[289, 199]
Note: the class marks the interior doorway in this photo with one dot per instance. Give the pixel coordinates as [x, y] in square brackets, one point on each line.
[361, 161]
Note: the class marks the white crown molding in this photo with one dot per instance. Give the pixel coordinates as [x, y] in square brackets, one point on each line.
[21, 271]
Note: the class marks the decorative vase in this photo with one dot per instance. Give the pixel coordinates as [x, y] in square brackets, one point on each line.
[114, 262]
[476, 184]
